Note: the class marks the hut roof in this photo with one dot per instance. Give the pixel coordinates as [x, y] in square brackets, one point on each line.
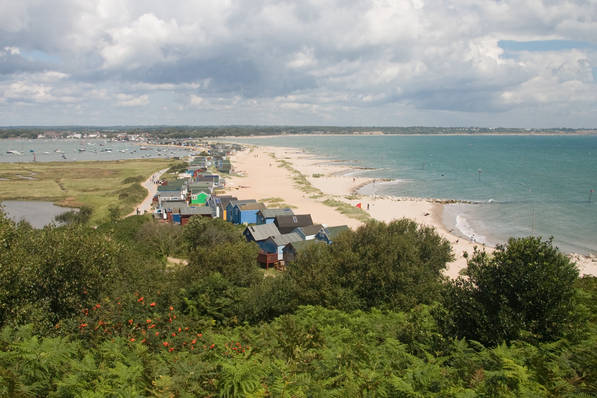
[263, 231]
[251, 206]
[272, 213]
[283, 240]
[310, 229]
[299, 220]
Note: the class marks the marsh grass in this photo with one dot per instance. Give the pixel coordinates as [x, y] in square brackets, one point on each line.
[99, 185]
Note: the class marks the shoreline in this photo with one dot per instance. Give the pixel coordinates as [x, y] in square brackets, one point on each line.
[331, 183]
[334, 183]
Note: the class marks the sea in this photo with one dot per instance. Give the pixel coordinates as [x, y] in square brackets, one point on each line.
[504, 185]
[69, 150]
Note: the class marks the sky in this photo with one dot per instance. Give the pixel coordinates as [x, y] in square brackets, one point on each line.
[487, 63]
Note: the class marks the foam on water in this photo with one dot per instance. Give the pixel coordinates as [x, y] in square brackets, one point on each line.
[465, 229]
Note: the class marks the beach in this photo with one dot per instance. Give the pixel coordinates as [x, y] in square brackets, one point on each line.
[270, 174]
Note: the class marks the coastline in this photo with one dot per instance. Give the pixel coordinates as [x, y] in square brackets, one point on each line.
[265, 173]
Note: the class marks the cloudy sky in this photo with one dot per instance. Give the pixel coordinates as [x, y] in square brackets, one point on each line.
[513, 63]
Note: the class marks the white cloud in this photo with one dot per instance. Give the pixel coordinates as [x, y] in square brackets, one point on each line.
[130, 100]
[327, 58]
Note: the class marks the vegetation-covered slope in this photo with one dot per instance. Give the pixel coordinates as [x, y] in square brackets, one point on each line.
[97, 313]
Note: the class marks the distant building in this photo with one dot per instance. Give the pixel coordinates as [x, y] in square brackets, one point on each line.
[287, 224]
[268, 216]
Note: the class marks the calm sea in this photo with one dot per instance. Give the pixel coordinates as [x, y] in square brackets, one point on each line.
[520, 185]
[46, 150]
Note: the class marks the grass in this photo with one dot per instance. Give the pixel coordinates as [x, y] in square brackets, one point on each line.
[99, 185]
[299, 179]
[348, 209]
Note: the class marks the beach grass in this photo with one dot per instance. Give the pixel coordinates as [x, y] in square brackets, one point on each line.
[348, 209]
[99, 185]
[299, 179]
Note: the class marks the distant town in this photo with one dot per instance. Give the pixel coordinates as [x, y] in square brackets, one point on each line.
[145, 133]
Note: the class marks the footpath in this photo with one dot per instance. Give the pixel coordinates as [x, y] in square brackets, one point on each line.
[152, 188]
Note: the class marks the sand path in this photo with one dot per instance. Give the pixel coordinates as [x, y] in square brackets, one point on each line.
[152, 188]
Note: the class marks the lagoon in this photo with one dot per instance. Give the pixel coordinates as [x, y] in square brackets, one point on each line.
[37, 213]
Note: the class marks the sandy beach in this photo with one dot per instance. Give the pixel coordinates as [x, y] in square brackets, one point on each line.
[266, 174]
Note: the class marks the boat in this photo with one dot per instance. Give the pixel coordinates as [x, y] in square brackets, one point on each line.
[13, 152]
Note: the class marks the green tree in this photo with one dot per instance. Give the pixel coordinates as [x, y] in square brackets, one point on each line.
[236, 261]
[50, 274]
[395, 265]
[526, 285]
[205, 232]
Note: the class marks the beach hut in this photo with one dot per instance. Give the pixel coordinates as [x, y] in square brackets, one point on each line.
[287, 224]
[275, 244]
[308, 232]
[267, 216]
[225, 167]
[246, 213]
[200, 211]
[257, 233]
[328, 234]
[199, 196]
[230, 205]
[219, 202]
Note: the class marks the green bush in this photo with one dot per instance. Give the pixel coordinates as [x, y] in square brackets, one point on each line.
[526, 285]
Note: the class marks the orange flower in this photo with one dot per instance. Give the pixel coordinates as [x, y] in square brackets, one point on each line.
[157, 333]
[173, 334]
[165, 343]
[179, 330]
[193, 341]
[212, 346]
[83, 325]
[170, 349]
[140, 299]
[151, 326]
[200, 334]
[143, 341]
[148, 321]
[130, 321]
[132, 339]
[171, 308]
[152, 304]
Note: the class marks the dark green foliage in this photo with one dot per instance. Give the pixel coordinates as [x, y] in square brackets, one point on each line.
[163, 239]
[81, 216]
[526, 285]
[396, 265]
[114, 213]
[231, 332]
[131, 180]
[208, 232]
[179, 167]
[50, 274]
[237, 262]
[212, 297]
[269, 298]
